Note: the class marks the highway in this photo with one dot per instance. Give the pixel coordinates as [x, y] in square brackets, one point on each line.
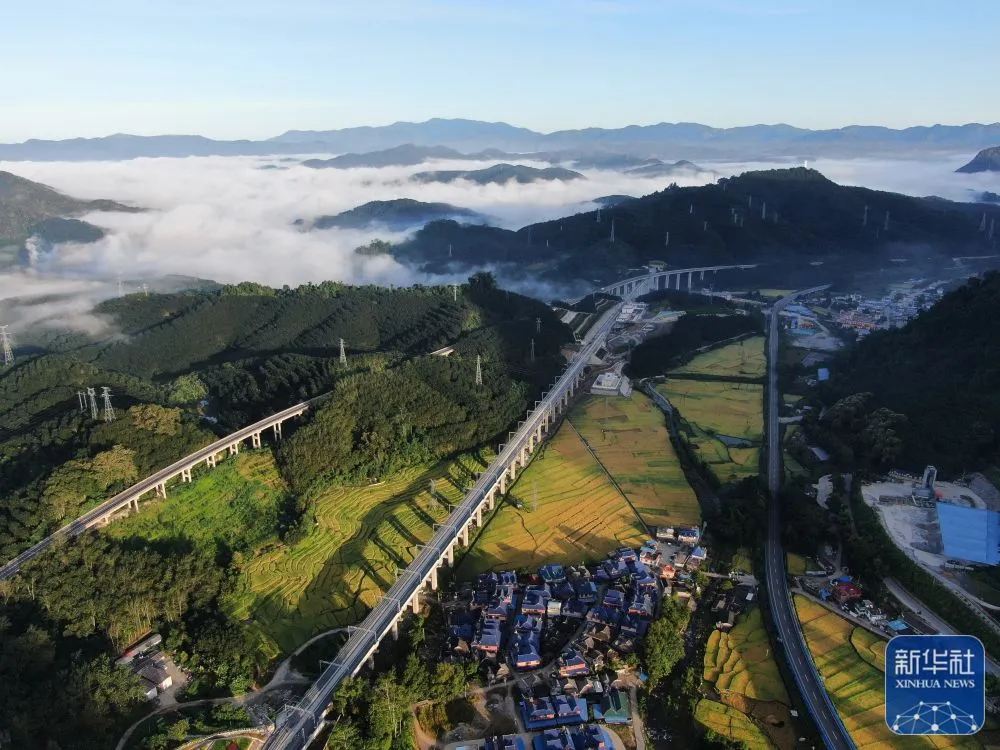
[808, 680]
[308, 715]
[122, 499]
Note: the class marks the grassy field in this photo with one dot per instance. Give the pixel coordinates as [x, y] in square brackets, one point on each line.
[630, 438]
[711, 410]
[741, 661]
[744, 359]
[579, 516]
[731, 723]
[359, 538]
[796, 564]
[852, 663]
[217, 507]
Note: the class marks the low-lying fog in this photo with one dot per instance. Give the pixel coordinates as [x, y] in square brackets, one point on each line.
[230, 220]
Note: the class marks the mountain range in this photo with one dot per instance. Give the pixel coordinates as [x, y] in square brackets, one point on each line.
[500, 174]
[398, 214]
[795, 223]
[662, 140]
[987, 160]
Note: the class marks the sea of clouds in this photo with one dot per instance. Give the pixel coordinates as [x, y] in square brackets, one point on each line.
[227, 219]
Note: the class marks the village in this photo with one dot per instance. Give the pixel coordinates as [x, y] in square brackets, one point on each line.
[561, 643]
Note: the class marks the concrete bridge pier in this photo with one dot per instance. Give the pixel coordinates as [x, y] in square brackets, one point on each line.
[255, 440]
[464, 536]
[503, 483]
[370, 663]
[677, 278]
[478, 517]
[161, 489]
[702, 275]
[134, 503]
[433, 578]
[186, 475]
[449, 555]
[395, 629]
[690, 273]
[415, 603]
[234, 449]
[210, 461]
[277, 430]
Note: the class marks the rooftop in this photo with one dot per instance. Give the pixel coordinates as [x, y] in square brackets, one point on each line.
[970, 533]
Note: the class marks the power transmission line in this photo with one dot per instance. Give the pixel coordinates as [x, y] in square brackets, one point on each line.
[109, 410]
[8, 347]
[343, 354]
[92, 396]
[81, 398]
[479, 370]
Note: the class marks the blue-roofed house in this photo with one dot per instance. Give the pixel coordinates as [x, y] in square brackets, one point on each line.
[575, 609]
[970, 534]
[614, 598]
[535, 602]
[563, 590]
[586, 591]
[489, 638]
[823, 374]
[524, 650]
[586, 737]
[634, 625]
[570, 710]
[603, 615]
[552, 573]
[572, 664]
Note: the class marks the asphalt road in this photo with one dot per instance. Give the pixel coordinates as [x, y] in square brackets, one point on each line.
[810, 684]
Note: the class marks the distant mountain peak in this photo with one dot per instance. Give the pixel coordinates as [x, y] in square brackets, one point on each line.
[987, 160]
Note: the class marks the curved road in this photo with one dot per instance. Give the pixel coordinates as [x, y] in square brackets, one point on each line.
[808, 680]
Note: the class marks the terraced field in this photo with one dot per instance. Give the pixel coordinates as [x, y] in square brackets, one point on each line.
[852, 663]
[744, 359]
[570, 512]
[221, 505]
[630, 438]
[716, 412]
[359, 538]
[740, 661]
[731, 723]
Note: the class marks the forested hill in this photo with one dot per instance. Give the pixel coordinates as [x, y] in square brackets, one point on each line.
[787, 219]
[943, 372]
[247, 351]
[26, 205]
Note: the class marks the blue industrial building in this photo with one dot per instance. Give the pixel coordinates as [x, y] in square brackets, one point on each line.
[970, 534]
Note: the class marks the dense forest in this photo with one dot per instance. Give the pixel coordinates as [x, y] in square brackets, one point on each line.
[795, 222]
[232, 355]
[942, 372]
[691, 332]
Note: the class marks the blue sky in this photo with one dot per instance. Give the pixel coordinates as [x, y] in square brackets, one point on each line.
[254, 68]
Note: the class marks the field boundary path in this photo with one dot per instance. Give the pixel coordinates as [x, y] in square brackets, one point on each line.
[608, 474]
[807, 678]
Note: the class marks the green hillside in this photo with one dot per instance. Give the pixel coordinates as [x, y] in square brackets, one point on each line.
[784, 219]
[24, 205]
[942, 371]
